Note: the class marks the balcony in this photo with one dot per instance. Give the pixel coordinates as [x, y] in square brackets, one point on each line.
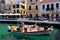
[22, 3]
[33, 11]
[23, 9]
[49, 11]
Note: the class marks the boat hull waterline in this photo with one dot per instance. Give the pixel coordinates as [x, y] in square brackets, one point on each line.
[34, 33]
[46, 32]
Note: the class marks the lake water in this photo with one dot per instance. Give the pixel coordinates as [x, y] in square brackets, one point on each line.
[5, 35]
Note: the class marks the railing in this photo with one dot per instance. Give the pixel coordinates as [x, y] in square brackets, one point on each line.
[33, 21]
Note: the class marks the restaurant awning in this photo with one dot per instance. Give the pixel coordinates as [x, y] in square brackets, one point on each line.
[10, 14]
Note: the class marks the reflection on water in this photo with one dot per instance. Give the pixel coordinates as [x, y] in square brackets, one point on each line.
[12, 37]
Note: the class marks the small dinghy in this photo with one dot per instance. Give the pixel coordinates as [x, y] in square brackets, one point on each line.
[31, 30]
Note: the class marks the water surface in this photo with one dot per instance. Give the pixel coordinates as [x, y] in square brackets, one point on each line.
[5, 35]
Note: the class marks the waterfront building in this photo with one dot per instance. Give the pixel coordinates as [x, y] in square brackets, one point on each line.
[32, 8]
[7, 10]
[26, 8]
[49, 8]
[2, 2]
[9, 1]
[29, 8]
[16, 8]
[5, 6]
[8, 5]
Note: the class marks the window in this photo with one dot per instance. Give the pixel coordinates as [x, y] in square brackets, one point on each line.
[17, 5]
[9, 7]
[24, 12]
[36, 7]
[3, 1]
[30, 16]
[36, 0]
[14, 11]
[22, 6]
[13, 6]
[52, 6]
[36, 15]
[57, 15]
[17, 11]
[30, 0]
[29, 7]
[43, 7]
[47, 7]
[57, 5]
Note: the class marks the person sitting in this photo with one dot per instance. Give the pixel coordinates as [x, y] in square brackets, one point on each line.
[35, 27]
[46, 27]
[22, 24]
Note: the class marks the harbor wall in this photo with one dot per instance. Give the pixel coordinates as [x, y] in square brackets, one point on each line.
[31, 23]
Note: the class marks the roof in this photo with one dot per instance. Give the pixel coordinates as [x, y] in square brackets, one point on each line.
[46, 0]
[49, 0]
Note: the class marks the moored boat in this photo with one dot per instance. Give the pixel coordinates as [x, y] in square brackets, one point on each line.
[30, 30]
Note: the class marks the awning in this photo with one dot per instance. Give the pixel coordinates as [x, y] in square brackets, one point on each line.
[10, 14]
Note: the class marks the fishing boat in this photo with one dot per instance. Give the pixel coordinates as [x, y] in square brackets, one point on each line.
[31, 30]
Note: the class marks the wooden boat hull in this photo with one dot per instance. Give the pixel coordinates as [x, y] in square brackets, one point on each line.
[46, 32]
[34, 33]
